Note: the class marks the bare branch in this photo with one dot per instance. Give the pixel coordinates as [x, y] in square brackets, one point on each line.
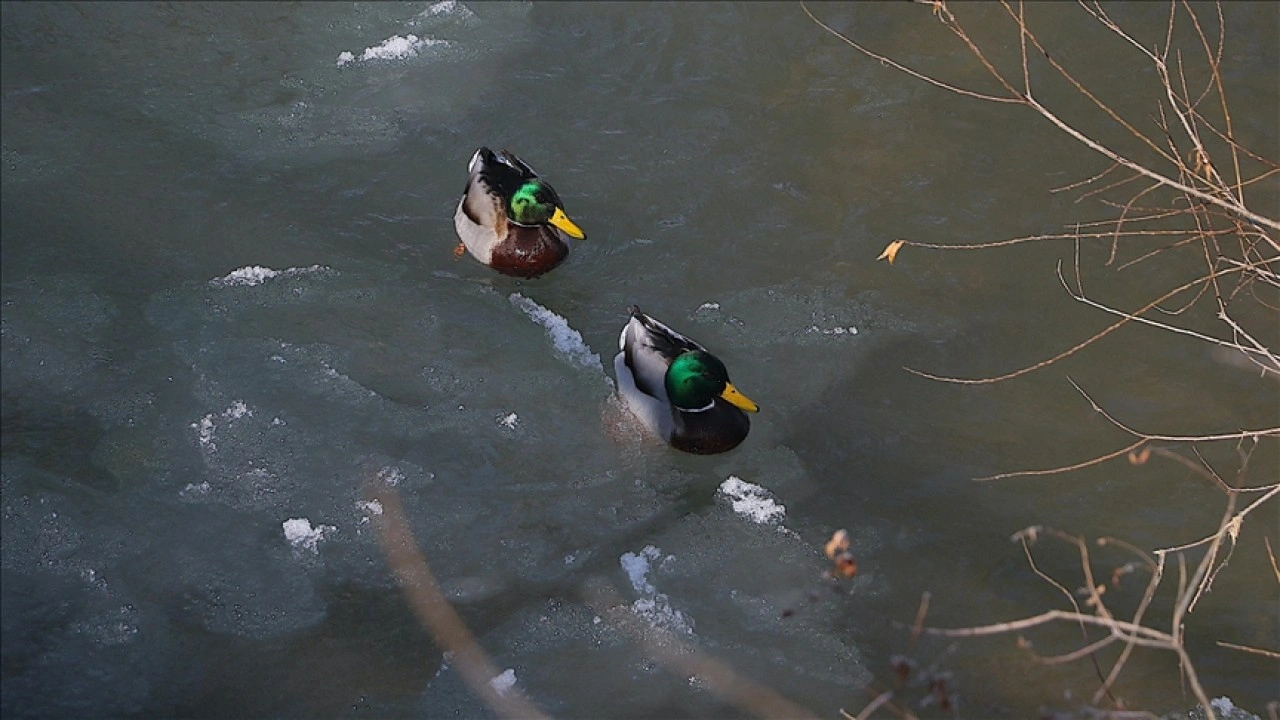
[1077, 347]
[1066, 468]
[1257, 651]
[1267, 432]
[1228, 524]
[898, 66]
[1259, 350]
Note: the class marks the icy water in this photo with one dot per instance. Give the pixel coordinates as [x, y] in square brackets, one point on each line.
[231, 306]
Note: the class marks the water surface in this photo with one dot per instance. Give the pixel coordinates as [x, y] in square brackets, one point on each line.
[229, 300]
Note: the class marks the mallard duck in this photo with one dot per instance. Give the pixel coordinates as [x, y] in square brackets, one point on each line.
[678, 389]
[508, 217]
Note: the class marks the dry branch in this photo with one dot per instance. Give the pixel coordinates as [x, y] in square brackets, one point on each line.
[1194, 205]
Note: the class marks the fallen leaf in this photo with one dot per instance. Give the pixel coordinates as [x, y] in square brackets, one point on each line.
[839, 542]
[1140, 458]
[891, 251]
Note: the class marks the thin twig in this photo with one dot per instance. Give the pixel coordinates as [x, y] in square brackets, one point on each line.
[1228, 524]
[1075, 348]
[874, 705]
[898, 66]
[1066, 468]
[1266, 432]
[1258, 651]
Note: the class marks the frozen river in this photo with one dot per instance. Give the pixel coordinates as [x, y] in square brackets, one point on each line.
[234, 331]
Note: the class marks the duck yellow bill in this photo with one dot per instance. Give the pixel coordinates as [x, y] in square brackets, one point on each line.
[563, 222]
[738, 399]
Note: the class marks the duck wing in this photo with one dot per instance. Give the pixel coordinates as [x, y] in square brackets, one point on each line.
[648, 348]
[662, 336]
[508, 158]
[490, 183]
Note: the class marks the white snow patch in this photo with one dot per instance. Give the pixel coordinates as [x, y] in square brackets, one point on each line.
[447, 7]
[369, 509]
[237, 410]
[193, 489]
[503, 683]
[509, 421]
[390, 476]
[302, 536]
[837, 330]
[708, 306]
[257, 274]
[204, 433]
[396, 47]
[752, 501]
[1222, 705]
[653, 606]
[567, 341]
[206, 428]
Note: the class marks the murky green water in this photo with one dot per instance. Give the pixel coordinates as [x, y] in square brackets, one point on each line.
[737, 171]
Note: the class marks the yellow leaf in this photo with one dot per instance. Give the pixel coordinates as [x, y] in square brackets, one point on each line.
[891, 251]
[839, 542]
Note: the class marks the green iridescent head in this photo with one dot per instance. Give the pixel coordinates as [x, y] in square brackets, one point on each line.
[536, 203]
[696, 378]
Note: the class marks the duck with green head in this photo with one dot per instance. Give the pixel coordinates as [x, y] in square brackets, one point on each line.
[510, 219]
[678, 389]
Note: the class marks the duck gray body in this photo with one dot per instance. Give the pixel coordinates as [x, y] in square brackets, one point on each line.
[647, 348]
[486, 221]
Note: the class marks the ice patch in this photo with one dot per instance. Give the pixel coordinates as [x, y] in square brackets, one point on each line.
[370, 508]
[204, 433]
[390, 476]
[447, 7]
[302, 536]
[193, 489]
[752, 501]
[396, 47]
[654, 607]
[205, 427]
[257, 274]
[567, 341]
[503, 683]
[373, 507]
[237, 410]
[837, 330]
[509, 421]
